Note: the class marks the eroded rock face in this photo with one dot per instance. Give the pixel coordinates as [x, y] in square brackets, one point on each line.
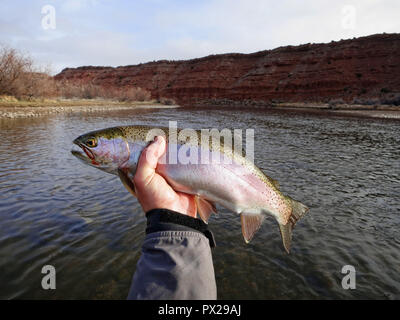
[363, 68]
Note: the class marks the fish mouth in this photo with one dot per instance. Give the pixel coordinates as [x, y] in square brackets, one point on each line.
[80, 155]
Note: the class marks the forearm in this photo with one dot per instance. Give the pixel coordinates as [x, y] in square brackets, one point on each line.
[176, 260]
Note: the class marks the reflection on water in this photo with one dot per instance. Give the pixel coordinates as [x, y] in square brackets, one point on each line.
[54, 210]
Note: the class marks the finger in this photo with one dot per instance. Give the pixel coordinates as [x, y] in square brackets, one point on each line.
[148, 161]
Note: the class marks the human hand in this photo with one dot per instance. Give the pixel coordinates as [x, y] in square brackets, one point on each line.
[152, 190]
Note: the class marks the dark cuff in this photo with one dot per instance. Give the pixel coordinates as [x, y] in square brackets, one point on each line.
[168, 220]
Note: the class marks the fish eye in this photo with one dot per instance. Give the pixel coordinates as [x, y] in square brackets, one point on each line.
[91, 142]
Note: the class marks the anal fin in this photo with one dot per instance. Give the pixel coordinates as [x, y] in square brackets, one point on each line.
[205, 208]
[250, 224]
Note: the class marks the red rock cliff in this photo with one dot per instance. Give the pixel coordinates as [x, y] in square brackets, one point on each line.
[362, 68]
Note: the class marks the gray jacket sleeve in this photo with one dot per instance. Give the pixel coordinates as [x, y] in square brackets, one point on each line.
[176, 261]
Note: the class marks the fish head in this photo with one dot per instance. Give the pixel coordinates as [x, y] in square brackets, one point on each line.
[105, 149]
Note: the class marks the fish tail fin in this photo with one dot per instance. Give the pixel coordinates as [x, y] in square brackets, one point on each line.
[298, 210]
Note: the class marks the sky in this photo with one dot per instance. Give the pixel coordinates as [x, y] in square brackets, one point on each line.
[72, 33]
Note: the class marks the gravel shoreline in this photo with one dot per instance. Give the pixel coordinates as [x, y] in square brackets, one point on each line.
[379, 114]
[29, 112]
[12, 112]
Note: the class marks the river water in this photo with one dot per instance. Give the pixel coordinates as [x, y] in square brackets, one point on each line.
[56, 211]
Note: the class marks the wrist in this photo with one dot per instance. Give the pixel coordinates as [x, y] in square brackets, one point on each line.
[169, 220]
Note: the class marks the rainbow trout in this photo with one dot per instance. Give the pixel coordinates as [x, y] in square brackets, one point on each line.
[209, 171]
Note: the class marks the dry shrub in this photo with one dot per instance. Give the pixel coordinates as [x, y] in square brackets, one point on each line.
[15, 69]
[334, 102]
[36, 85]
[19, 77]
[84, 90]
[167, 101]
[133, 94]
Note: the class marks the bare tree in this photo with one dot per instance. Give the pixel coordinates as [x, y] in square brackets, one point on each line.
[19, 77]
[13, 67]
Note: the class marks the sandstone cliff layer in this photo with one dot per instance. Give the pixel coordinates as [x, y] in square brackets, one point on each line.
[362, 69]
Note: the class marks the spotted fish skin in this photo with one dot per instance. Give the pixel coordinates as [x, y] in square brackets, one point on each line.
[232, 181]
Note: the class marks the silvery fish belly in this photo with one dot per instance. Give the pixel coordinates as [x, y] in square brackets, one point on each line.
[211, 172]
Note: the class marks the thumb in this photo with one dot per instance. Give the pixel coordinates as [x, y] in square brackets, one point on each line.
[148, 161]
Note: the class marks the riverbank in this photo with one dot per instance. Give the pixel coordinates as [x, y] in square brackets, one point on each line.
[351, 110]
[13, 108]
[317, 108]
[344, 106]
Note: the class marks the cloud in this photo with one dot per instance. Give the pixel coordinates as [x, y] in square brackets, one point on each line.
[104, 32]
[76, 5]
[248, 26]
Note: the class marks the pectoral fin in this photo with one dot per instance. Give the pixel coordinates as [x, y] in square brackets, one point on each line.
[128, 184]
[250, 224]
[205, 208]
